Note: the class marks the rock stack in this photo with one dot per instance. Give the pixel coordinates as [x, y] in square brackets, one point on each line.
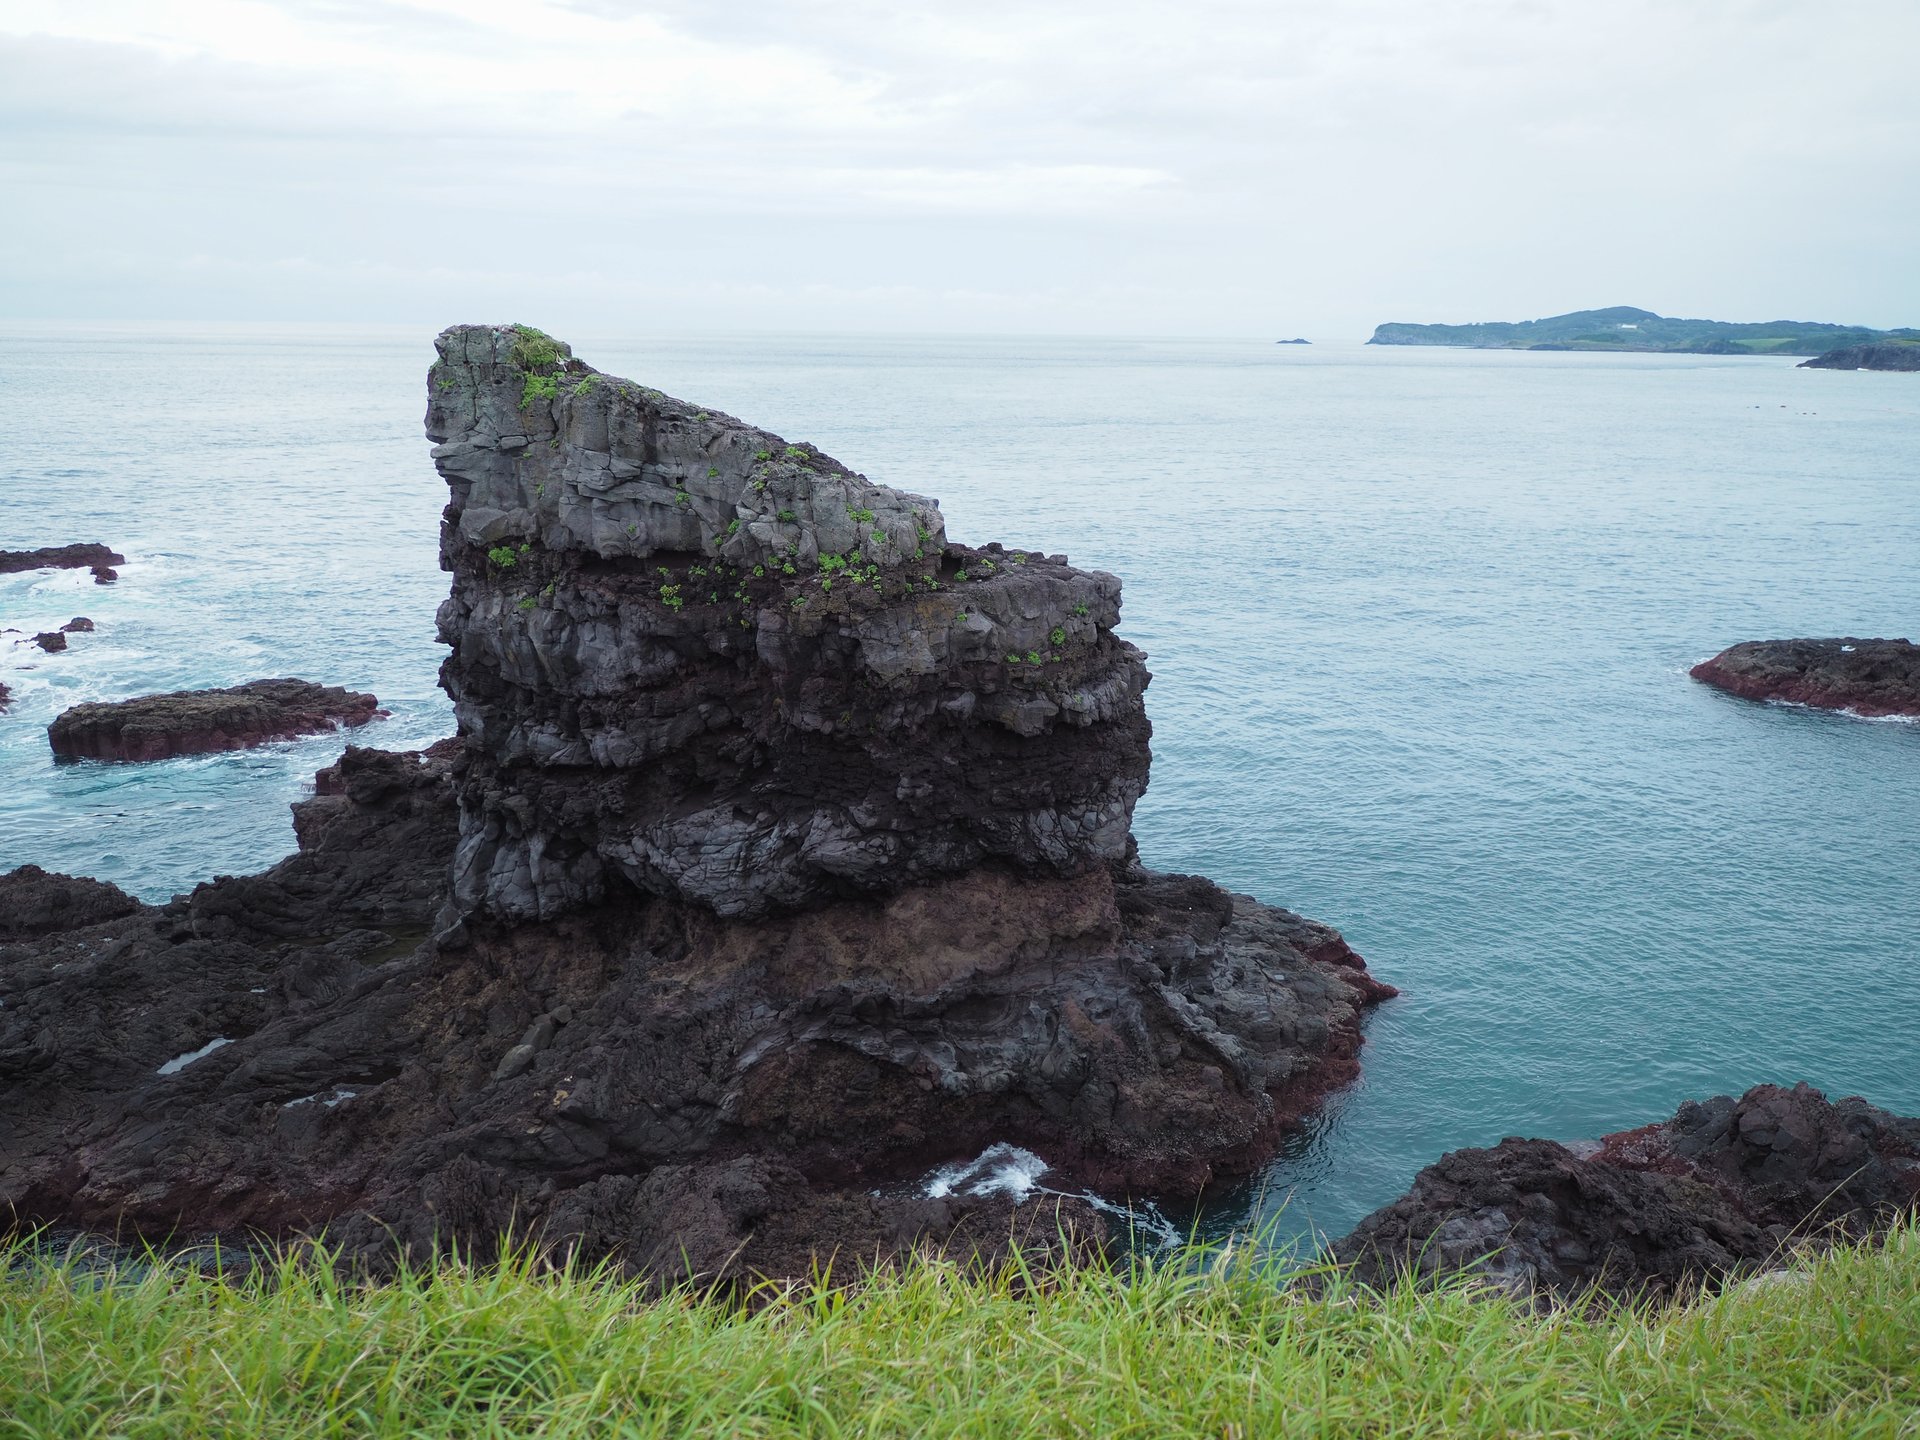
[784, 854]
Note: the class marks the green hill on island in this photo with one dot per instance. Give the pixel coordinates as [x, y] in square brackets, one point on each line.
[1623, 327]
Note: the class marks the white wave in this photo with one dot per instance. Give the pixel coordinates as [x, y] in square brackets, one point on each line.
[998, 1170]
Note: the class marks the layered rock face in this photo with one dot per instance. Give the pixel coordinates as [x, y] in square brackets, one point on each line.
[742, 900]
[1869, 677]
[696, 659]
[1725, 1187]
[191, 722]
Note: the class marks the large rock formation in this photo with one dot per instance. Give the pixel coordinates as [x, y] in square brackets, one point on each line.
[700, 660]
[1725, 1187]
[1868, 677]
[784, 855]
[192, 722]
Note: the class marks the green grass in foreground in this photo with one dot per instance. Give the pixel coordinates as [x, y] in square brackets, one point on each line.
[1219, 1353]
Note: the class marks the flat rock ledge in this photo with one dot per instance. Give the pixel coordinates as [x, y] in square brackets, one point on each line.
[88, 556]
[1725, 1188]
[1871, 678]
[192, 722]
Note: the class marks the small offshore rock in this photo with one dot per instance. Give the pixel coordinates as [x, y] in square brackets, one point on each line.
[188, 722]
[1872, 678]
[105, 574]
[80, 624]
[50, 641]
[60, 557]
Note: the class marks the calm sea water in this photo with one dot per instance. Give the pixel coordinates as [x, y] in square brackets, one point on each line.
[1419, 620]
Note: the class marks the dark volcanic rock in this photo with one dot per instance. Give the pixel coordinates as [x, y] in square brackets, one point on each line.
[51, 641]
[694, 659]
[105, 574]
[80, 624]
[34, 902]
[190, 722]
[752, 897]
[6, 698]
[1868, 677]
[1723, 1187]
[60, 557]
[1888, 355]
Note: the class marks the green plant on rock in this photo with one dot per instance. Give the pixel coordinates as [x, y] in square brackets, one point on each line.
[1058, 636]
[585, 385]
[670, 597]
[733, 526]
[503, 557]
[860, 517]
[1033, 657]
[960, 574]
[1081, 608]
[533, 349]
[527, 602]
[538, 387]
[712, 471]
[879, 537]
[763, 455]
[759, 572]
[787, 517]
[799, 602]
[683, 498]
[794, 452]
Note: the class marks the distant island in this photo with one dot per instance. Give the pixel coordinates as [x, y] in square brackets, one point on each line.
[1293, 342]
[1625, 328]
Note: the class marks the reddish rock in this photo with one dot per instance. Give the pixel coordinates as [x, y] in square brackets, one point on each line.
[1868, 677]
[188, 722]
[79, 624]
[105, 574]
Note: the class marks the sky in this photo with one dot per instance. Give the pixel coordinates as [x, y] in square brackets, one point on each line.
[1210, 167]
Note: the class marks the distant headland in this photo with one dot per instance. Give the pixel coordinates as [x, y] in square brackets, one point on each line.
[1623, 327]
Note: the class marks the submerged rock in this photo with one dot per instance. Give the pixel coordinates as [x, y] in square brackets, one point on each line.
[742, 899]
[60, 557]
[1726, 1187]
[1867, 677]
[191, 722]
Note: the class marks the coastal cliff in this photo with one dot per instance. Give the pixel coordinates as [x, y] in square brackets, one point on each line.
[784, 853]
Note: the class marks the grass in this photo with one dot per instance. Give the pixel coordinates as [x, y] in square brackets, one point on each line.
[1216, 1350]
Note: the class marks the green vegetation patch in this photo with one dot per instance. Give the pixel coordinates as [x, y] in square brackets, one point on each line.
[1204, 1346]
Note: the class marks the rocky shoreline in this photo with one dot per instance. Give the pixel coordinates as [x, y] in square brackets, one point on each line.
[193, 722]
[784, 853]
[1870, 678]
[1724, 1188]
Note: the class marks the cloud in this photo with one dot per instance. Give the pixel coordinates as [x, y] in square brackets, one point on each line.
[1129, 165]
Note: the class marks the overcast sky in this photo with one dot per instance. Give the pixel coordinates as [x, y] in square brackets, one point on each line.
[1204, 167]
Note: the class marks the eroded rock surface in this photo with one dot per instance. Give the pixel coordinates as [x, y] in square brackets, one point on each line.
[1725, 1187]
[742, 900]
[1868, 677]
[191, 722]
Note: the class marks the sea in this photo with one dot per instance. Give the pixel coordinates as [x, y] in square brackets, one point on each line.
[1419, 620]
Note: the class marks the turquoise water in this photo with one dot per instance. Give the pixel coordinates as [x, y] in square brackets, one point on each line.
[1419, 621]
